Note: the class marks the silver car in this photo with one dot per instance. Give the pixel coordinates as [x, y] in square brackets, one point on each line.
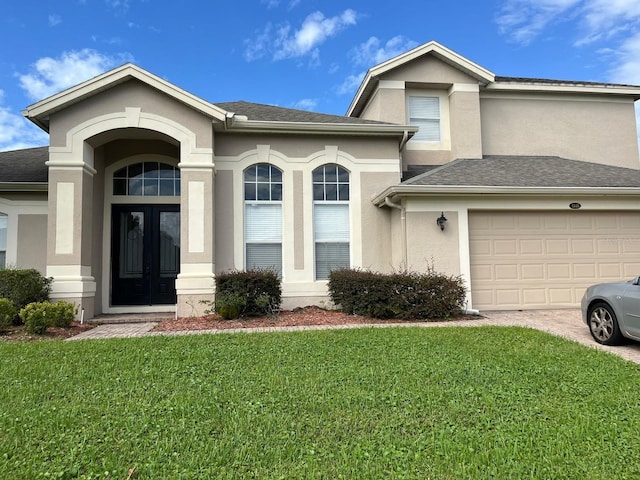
[612, 311]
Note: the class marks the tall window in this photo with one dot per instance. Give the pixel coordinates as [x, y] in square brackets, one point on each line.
[331, 219]
[148, 179]
[3, 239]
[263, 217]
[424, 112]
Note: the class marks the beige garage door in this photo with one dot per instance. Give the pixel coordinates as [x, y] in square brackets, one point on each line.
[547, 259]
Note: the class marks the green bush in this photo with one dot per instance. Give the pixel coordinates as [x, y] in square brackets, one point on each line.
[38, 316]
[62, 314]
[8, 313]
[229, 305]
[254, 292]
[23, 287]
[406, 295]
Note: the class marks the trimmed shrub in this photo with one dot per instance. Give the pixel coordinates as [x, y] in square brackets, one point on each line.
[8, 313]
[23, 287]
[38, 316]
[406, 295]
[229, 305]
[62, 314]
[253, 293]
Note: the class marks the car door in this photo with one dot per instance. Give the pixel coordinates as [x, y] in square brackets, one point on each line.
[631, 309]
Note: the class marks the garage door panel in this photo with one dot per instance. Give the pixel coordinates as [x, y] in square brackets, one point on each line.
[582, 246]
[505, 247]
[609, 245]
[557, 246]
[482, 272]
[631, 245]
[559, 271]
[561, 296]
[531, 247]
[547, 259]
[480, 247]
[534, 296]
[631, 270]
[610, 271]
[508, 297]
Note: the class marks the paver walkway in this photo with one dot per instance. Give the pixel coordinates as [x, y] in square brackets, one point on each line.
[564, 323]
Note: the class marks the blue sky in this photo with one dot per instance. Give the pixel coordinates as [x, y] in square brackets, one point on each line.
[307, 54]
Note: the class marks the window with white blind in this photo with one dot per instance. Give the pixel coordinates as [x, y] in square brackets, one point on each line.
[331, 219]
[263, 217]
[424, 112]
[4, 222]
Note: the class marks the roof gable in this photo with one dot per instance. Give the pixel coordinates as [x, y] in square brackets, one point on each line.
[39, 112]
[482, 75]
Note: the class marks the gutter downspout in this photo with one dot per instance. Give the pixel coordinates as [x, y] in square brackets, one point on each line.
[403, 228]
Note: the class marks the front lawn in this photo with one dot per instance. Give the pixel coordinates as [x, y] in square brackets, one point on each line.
[445, 403]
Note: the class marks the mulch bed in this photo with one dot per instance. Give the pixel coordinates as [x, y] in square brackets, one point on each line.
[287, 318]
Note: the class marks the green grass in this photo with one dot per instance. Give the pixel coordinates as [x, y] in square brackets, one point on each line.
[441, 403]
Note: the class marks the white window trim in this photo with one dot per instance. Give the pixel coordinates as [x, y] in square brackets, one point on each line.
[445, 130]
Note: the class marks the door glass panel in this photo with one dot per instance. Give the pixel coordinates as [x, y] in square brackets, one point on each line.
[169, 243]
[131, 244]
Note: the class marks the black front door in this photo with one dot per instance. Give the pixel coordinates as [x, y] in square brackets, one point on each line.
[145, 254]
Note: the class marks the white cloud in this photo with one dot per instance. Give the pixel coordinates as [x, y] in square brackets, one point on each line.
[282, 42]
[523, 20]
[54, 20]
[52, 75]
[305, 104]
[371, 52]
[628, 68]
[17, 132]
[350, 84]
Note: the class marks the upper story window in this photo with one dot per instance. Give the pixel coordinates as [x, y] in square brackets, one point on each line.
[424, 112]
[331, 219]
[148, 179]
[263, 217]
[4, 221]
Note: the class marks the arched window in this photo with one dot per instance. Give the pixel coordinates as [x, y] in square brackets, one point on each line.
[331, 219]
[148, 179]
[4, 223]
[263, 217]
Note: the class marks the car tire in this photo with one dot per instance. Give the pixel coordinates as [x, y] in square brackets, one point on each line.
[603, 325]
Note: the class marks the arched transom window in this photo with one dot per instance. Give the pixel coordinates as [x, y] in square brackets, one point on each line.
[147, 179]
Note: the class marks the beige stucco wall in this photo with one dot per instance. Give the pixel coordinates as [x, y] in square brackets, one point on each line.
[130, 94]
[223, 204]
[387, 105]
[32, 240]
[304, 145]
[465, 125]
[376, 223]
[428, 69]
[589, 129]
[428, 246]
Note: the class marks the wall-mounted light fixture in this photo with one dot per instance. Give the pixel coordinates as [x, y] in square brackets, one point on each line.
[442, 221]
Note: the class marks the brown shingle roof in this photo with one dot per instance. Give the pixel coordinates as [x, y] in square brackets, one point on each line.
[271, 113]
[528, 171]
[26, 166]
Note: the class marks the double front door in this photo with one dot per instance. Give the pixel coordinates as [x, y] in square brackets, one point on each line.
[145, 254]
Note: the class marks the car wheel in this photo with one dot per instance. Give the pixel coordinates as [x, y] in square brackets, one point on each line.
[603, 325]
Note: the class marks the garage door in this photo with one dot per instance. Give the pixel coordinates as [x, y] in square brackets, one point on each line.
[547, 259]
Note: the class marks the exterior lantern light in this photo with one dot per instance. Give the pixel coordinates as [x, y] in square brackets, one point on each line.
[442, 221]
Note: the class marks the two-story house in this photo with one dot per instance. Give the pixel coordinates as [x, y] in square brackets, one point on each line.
[527, 188]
